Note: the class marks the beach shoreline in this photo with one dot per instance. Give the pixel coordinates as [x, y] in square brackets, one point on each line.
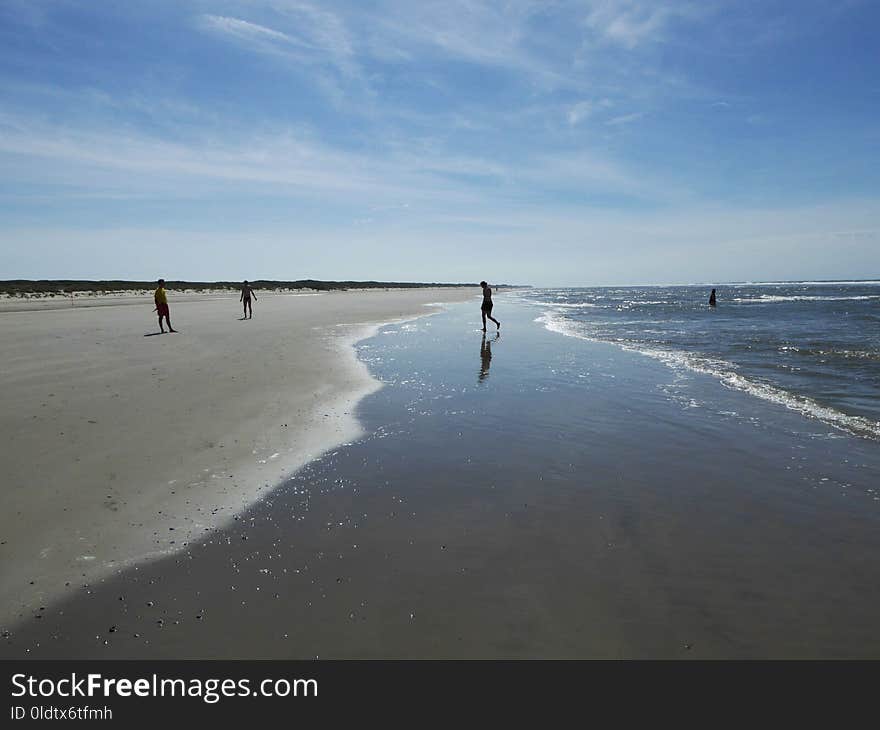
[528, 495]
[121, 447]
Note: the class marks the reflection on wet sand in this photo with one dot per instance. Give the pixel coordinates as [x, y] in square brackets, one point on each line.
[486, 355]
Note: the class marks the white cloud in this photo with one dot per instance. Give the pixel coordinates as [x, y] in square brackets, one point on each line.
[295, 163]
[310, 36]
[498, 116]
[242, 29]
[631, 23]
[324, 31]
[482, 31]
[625, 119]
[583, 110]
[546, 46]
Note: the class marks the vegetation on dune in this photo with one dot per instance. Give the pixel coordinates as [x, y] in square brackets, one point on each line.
[48, 287]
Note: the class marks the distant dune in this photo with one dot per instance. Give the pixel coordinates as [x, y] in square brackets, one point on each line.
[25, 287]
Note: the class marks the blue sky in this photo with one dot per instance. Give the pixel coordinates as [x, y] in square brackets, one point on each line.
[552, 143]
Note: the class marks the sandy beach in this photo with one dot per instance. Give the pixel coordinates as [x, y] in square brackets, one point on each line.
[119, 446]
[528, 495]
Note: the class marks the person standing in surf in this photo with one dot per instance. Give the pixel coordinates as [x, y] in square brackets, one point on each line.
[712, 302]
[246, 294]
[486, 307]
[161, 300]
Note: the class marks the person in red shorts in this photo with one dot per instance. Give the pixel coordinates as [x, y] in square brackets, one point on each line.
[161, 299]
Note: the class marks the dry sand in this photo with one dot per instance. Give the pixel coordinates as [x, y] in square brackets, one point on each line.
[138, 297]
[118, 447]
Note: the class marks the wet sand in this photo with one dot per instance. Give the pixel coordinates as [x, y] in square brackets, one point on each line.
[549, 498]
[120, 445]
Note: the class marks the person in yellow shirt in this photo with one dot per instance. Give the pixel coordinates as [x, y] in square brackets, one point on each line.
[161, 299]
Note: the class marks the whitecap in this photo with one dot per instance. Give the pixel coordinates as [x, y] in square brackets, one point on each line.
[771, 298]
[725, 372]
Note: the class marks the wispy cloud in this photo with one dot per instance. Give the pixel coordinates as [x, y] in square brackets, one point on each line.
[296, 164]
[583, 110]
[244, 30]
[555, 48]
[631, 23]
[309, 36]
[473, 30]
[575, 124]
[625, 119]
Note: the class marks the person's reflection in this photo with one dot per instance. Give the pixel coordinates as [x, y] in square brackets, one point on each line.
[486, 355]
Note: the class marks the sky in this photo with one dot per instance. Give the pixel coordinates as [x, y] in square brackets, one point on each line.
[551, 143]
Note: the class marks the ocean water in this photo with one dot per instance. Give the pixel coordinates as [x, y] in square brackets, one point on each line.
[813, 347]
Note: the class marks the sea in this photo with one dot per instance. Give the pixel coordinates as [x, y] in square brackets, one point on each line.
[811, 346]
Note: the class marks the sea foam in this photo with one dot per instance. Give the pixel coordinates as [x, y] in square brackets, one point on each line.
[725, 372]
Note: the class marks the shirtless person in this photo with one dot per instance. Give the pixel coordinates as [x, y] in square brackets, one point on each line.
[246, 294]
[161, 300]
[486, 307]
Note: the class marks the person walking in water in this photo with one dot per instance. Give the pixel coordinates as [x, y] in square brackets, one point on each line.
[486, 307]
[712, 299]
[246, 294]
[161, 300]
